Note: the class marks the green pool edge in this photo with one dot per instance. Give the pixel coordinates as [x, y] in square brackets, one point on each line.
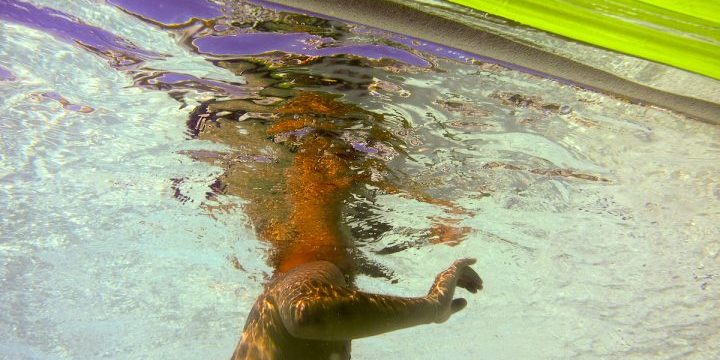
[679, 33]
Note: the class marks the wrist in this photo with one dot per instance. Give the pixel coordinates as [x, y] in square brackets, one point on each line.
[432, 309]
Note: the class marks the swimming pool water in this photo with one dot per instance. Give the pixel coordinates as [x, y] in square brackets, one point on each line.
[594, 221]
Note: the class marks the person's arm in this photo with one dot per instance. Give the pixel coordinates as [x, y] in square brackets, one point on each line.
[321, 310]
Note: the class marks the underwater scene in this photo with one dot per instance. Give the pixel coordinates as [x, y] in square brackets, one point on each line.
[167, 166]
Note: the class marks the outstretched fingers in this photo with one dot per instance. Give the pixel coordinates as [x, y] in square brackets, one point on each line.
[465, 276]
[442, 293]
[469, 280]
[460, 263]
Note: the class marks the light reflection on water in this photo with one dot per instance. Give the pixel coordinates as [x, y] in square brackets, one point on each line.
[594, 221]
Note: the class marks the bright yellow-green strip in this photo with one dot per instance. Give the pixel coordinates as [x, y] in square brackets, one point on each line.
[683, 37]
[708, 10]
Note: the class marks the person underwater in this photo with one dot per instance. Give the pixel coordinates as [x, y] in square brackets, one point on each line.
[296, 169]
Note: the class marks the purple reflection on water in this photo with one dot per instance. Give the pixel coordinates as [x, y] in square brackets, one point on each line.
[53, 95]
[423, 45]
[170, 11]
[297, 43]
[6, 75]
[464, 56]
[171, 78]
[67, 105]
[278, 7]
[185, 81]
[406, 39]
[362, 147]
[69, 28]
[252, 44]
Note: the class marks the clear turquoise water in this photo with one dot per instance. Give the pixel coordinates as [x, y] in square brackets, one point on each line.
[99, 259]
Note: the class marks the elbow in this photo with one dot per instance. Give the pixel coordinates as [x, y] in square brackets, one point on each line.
[305, 321]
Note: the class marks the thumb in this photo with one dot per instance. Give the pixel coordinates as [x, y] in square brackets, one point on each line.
[457, 305]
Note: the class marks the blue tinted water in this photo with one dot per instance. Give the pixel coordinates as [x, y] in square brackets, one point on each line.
[594, 221]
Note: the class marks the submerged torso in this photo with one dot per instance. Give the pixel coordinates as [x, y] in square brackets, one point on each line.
[265, 336]
[295, 203]
[317, 151]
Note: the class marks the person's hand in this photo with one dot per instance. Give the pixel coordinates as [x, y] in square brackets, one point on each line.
[441, 293]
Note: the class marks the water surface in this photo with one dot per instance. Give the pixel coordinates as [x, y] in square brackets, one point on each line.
[594, 221]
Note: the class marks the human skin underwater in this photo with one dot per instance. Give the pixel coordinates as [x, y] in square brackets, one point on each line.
[295, 194]
[137, 148]
[297, 170]
[301, 155]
